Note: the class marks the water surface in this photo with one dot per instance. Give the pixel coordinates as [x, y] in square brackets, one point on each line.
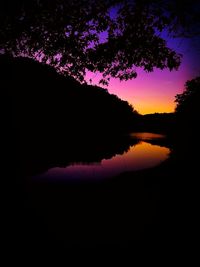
[139, 156]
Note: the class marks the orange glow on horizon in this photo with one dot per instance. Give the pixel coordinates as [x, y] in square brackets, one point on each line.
[153, 106]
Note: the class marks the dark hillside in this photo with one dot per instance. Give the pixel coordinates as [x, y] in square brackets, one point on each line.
[45, 100]
[55, 120]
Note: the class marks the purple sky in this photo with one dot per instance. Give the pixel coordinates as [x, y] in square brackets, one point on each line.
[155, 92]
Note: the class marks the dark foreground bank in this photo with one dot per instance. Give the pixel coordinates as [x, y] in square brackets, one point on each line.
[155, 207]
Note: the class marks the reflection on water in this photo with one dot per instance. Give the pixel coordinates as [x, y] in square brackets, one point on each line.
[147, 136]
[140, 156]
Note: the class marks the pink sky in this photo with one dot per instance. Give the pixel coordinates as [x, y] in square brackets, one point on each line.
[155, 92]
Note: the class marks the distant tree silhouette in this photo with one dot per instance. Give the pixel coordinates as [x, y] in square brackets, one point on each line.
[187, 110]
[157, 122]
[188, 101]
[113, 37]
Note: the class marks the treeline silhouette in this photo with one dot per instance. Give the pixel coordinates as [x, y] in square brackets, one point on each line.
[187, 109]
[44, 99]
[186, 132]
[56, 120]
[157, 122]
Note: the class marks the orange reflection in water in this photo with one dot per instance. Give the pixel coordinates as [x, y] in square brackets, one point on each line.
[140, 156]
[147, 136]
[143, 155]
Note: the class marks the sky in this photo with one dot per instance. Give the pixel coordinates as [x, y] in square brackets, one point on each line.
[155, 92]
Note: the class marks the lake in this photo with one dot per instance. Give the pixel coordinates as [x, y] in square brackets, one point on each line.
[75, 200]
[147, 152]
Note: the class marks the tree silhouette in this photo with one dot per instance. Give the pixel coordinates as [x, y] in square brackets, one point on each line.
[55, 120]
[40, 98]
[188, 101]
[187, 110]
[113, 37]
